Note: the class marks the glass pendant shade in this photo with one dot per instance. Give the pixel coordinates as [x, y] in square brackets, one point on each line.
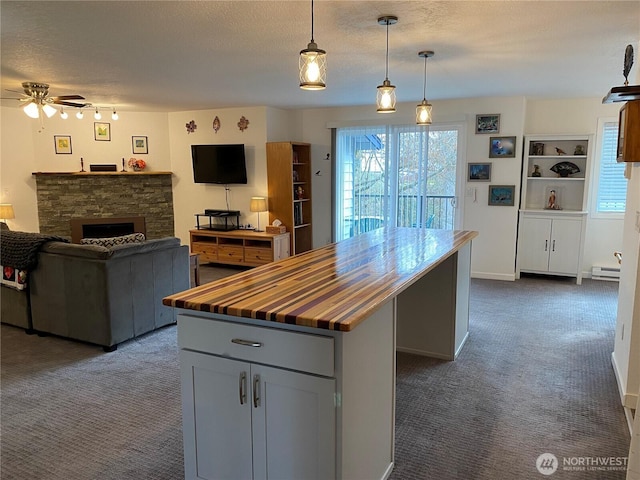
[63, 115]
[97, 115]
[114, 115]
[313, 68]
[423, 113]
[49, 111]
[31, 109]
[80, 114]
[386, 98]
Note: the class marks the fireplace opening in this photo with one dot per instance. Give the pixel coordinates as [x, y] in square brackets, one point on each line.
[105, 227]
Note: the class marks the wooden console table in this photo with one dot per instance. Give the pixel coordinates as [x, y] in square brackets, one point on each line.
[239, 247]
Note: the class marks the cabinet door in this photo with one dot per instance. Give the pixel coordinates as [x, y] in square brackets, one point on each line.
[216, 422]
[565, 246]
[536, 234]
[293, 424]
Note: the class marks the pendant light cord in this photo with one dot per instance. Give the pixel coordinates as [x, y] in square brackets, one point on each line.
[424, 88]
[386, 72]
[312, 41]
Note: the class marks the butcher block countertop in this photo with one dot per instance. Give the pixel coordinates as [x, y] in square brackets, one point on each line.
[334, 287]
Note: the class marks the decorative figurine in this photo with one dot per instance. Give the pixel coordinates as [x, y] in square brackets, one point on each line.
[537, 149]
[551, 205]
[82, 164]
[560, 151]
[579, 150]
[123, 169]
[536, 171]
[299, 192]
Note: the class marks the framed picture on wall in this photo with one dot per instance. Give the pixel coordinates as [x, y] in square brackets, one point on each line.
[488, 123]
[102, 131]
[62, 144]
[502, 147]
[139, 144]
[479, 172]
[502, 195]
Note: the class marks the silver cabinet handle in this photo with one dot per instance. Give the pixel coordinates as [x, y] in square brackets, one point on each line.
[256, 391]
[243, 387]
[246, 343]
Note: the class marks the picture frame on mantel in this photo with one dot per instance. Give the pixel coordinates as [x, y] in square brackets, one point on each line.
[139, 144]
[102, 131]
[62, 144]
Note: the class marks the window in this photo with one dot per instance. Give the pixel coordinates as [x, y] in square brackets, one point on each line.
[396, 175]
[610, 183]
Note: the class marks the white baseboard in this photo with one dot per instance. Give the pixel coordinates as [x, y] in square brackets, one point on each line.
[508, 277]
[628, 401]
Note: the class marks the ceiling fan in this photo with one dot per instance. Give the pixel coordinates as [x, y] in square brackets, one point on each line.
[36, 99]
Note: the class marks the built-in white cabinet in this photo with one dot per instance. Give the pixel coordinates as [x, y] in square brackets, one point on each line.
[298, 441]
[552, 219]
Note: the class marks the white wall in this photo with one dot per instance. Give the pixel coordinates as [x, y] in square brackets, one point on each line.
[26, 149]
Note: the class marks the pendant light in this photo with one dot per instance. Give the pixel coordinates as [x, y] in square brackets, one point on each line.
[97, 115]
[386, 98]
[423, 110]
[313, 64]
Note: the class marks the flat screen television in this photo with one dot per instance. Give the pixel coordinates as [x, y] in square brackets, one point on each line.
[222, 164]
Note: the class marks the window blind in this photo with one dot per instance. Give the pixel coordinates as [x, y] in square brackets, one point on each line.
[612, 185]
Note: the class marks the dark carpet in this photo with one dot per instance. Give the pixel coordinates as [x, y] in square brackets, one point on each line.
[534, 377]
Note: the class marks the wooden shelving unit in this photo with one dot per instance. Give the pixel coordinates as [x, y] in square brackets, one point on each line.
[289, 186]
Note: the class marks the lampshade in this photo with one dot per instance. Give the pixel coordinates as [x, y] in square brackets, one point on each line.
[114, 115]
[31, 109]
[386, 97]
[80, 114]
[48, 110]
[97, 115]
[313, 64]
[6, 211]
[258, 204]
[423, 110]
[64, 115]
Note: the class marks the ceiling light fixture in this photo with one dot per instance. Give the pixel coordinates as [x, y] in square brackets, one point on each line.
[386, 98]
[97, 115]
[114, 115]
[31, 109]
[423, 110]
[80, 115]
[313, 64]
[63, 115]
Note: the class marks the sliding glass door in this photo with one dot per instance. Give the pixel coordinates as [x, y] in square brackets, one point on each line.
[396, 175]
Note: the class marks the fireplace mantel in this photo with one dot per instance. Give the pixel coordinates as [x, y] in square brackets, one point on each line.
[102, 173]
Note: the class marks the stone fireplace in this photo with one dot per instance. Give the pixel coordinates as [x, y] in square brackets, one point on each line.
[105, 198]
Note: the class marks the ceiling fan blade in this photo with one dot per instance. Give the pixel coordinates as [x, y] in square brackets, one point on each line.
[71, 104]
[67, 97]
[14, 91]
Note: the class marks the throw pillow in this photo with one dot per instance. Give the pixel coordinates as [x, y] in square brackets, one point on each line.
[109, 242]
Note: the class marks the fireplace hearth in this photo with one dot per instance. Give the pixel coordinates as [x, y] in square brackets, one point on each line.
[93, 227]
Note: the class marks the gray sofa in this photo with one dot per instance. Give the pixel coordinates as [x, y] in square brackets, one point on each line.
[106, 295]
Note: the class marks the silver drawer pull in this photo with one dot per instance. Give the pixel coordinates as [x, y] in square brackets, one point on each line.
[246, 343]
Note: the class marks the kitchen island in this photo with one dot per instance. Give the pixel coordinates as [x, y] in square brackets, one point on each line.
[288, 369]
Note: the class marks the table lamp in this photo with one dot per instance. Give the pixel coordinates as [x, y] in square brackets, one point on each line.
[258, 204]
[6, 212]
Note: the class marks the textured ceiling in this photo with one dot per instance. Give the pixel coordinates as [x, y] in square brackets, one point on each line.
[183, 55]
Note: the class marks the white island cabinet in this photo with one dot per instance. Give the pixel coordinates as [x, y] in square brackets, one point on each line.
[288, 370]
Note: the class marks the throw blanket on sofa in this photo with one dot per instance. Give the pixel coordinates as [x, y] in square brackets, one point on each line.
[19, 253]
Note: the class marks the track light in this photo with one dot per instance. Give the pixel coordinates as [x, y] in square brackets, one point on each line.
[114, 115]
[386, 97]
[80, 115]
[423, 110]
[97, 115]
[63, 115]
[313, 64]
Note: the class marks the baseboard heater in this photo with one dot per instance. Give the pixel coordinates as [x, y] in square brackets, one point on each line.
[611, 274]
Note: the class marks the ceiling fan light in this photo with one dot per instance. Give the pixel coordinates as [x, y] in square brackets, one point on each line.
[114, 115]
[49, 111]
[97, 115]
[80, 115]
[63, 115]
[313, 68]
[423, 113]
[31, 109]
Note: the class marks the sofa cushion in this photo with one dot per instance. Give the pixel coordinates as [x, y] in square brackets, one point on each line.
[113, 241]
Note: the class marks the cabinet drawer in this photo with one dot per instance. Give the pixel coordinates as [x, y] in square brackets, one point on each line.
[281, 348]
[257, 255]
[208, 251]
[230, 253]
